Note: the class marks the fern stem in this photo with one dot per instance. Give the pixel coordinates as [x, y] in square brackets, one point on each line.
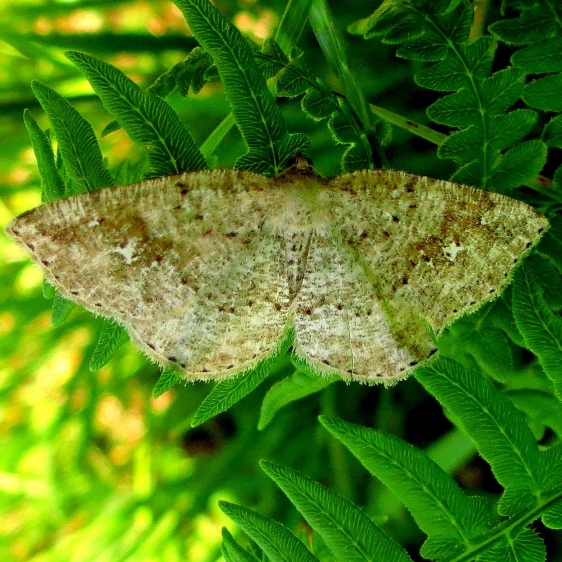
[422, 131]
[215, 138]
[481, 8]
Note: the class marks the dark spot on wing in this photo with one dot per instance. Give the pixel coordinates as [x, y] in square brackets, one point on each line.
[151, 345]
[28, 244]
[173, 358]
[45, 262]
[74, 292]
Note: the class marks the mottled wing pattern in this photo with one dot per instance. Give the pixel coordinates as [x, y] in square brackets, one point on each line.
[430, 250]
[184, 263]
[208, 270]
[340, 326]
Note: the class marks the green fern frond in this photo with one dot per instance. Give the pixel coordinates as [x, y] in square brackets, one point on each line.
[52, 183]
[230, 391]
[232, 551]
[193, 72]
[486, 140]
[147, 118]
[539, 28]
[168, 379]
[270, 146]
[540, 327]
[294, 387]
[77, 143]
[275, 539]
[112, 336]
[346, 529]
[318, 102]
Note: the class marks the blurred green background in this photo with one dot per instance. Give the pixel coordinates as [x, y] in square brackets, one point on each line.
[92, 468]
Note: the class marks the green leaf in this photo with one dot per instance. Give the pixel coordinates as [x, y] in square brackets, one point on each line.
[255, 111]
[426, 28]
[543, 56]
[77, 142]
[440, 508]
[112, 337]
[451, 73]
[553, 516]
[289, 389]
[540, 327]
[498, 430]
[331, 43]
[226, 393]
[232, 551]
[502, 132]
[345, 528]
[542, 409]
[292, 24]
[193, 72]
[278, 543]
[51, 180]
[552, 133]
[62, 307]
[317, 105]
[167, 380]
[545, 271]
[537, 21]
[544, 93]
[147, 118]
[520, 546]
[519, 165]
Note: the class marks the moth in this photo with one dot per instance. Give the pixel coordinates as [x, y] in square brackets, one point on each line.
[212, 270]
